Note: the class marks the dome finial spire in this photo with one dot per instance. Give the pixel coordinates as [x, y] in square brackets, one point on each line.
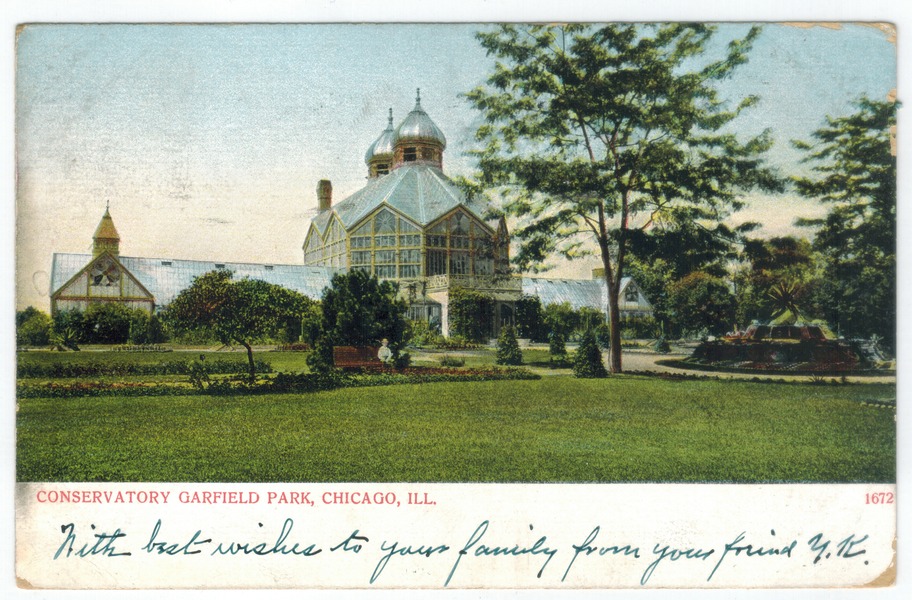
[390, 122]
[418, 97]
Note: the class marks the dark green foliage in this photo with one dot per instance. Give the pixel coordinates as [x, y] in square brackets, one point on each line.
[557, 348]
[65, 339]
[238, 311]
[587, 362]
[770, 264]
[67, 319]
[638, 328]
[454, 342]
[603, 336]
[530, 319]
[588, 127]
[146, 328]
[40, 369]
[855, 166]
[452, 361]
[33, 327]
[589, 318]
[359, 310]
[661, 345]
[199, 374]
[402, 360]
[702, 304]
[471, 314]
[667, 253]
[561, 319]
[508, 352]
[107, 323]
[320, 359]
[419, 333]
[202, 384]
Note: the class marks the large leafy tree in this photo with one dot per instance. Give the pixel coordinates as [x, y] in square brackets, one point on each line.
[702, 303]
[359, 310]
[235, 311]
[594, 132]
[671, 251]
[854, 173]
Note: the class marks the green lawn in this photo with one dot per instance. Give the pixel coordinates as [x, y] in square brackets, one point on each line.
[625, 428]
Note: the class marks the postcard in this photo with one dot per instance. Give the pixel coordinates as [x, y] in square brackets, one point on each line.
[601, 305]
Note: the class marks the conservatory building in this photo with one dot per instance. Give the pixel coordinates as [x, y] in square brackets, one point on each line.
[412, 224]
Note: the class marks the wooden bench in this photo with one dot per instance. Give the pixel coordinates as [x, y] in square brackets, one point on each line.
[356, 357]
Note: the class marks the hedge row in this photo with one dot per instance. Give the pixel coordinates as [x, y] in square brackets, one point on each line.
[174, 367]
[282, 383]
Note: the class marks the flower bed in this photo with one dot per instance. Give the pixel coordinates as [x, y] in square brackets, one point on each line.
[281, 383]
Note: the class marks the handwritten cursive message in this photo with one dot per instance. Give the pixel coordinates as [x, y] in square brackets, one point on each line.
[484, 544]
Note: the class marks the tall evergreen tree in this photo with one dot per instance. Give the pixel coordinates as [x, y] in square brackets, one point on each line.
[508, 352]
[593, 132]
[587, 361]
[854, 162]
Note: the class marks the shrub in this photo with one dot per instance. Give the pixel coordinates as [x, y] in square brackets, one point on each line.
[145, 329]
[471, 314]
[66, 339]
[639, 327]
[508, 352]
[454, 342]
[558, 349]
[33, 327]
[587, 362]
[419, 333]
[530, 319]
[402, 360]
[321, 359]
[452, 361]
[107, 323]
[561, 319]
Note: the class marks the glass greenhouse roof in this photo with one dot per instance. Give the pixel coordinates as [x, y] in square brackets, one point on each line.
[578, 292]
[166, 277]
[420, 192]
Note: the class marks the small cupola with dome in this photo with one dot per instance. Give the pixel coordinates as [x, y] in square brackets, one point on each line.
[418, 140]
[379, 157]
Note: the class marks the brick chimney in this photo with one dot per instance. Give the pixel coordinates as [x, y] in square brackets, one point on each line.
[324, 194]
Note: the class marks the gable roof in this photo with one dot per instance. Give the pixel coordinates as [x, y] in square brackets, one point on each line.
[421, 193]
[165, 278]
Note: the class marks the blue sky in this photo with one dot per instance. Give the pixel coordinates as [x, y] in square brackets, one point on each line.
[208, 141]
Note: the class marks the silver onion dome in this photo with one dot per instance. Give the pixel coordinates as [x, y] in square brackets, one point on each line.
[419, 126]
[383, 145]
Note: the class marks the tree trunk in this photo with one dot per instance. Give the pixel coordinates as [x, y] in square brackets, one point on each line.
[614, 320]
[251, 370]
[613, 286]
